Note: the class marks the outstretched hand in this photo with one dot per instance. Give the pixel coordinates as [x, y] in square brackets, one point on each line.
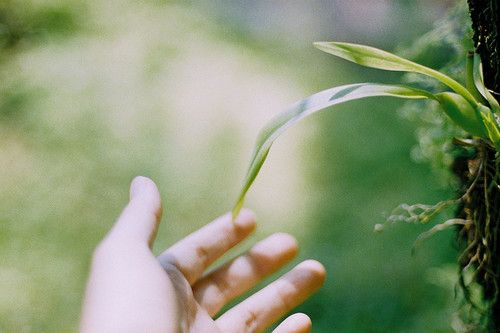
[130, 290]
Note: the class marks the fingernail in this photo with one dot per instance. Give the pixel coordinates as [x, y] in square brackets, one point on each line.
[137, 185]
[245, 219]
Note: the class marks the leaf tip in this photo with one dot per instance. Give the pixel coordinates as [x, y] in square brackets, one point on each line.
[236, 209]
[323, 45]
[318, 44]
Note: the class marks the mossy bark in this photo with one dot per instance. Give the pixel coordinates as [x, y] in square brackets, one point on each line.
[481, 174]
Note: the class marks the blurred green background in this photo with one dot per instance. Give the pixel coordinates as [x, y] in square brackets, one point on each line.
[95, 92]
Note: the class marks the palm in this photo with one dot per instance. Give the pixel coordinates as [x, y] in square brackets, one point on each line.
[192, 316]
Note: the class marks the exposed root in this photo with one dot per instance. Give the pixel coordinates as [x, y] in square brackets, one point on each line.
[419, 213]
[478, 224]
[438, 227]
[480, 207]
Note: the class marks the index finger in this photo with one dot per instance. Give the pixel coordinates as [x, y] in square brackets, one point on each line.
[193, 254]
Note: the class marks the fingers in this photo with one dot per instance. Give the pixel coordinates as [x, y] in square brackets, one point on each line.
[236, 277]
[140, 218]
[271, 303]
[296, 323]
[193, 254]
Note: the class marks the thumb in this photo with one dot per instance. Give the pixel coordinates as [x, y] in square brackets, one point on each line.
[141, 217]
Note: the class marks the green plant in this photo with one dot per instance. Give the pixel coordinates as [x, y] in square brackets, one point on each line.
[472, 107]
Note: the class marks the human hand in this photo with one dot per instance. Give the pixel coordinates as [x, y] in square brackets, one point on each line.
[129, 290]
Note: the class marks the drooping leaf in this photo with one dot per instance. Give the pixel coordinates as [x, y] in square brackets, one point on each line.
[311, 105]
[372, 57]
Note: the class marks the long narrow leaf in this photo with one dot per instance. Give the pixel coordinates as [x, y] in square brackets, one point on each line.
[311, 105]
[491, 125]
[471, 77]
[489, 120]
[479, 83]
[372, 57]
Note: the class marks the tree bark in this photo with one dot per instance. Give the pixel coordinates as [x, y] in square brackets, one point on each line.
[486, 26]
[483, 205]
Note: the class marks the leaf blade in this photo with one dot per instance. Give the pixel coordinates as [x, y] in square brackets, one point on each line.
[490, 124]
[308, 106]
[376, 58]
[478, 80]
[471, 75]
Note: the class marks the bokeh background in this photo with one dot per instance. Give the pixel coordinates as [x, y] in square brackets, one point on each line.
[95, 92]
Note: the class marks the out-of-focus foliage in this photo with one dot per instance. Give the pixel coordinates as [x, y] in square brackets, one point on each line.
[445, 46]
[95, 92]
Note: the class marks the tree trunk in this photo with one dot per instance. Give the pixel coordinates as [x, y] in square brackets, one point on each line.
[481, 174]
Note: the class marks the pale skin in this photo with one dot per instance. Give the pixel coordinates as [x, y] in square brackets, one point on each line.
[131, 290]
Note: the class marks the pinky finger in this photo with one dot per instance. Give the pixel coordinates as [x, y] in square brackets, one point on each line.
[296, 323]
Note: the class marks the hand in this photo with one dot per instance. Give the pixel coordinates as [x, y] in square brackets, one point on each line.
[129, 290]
